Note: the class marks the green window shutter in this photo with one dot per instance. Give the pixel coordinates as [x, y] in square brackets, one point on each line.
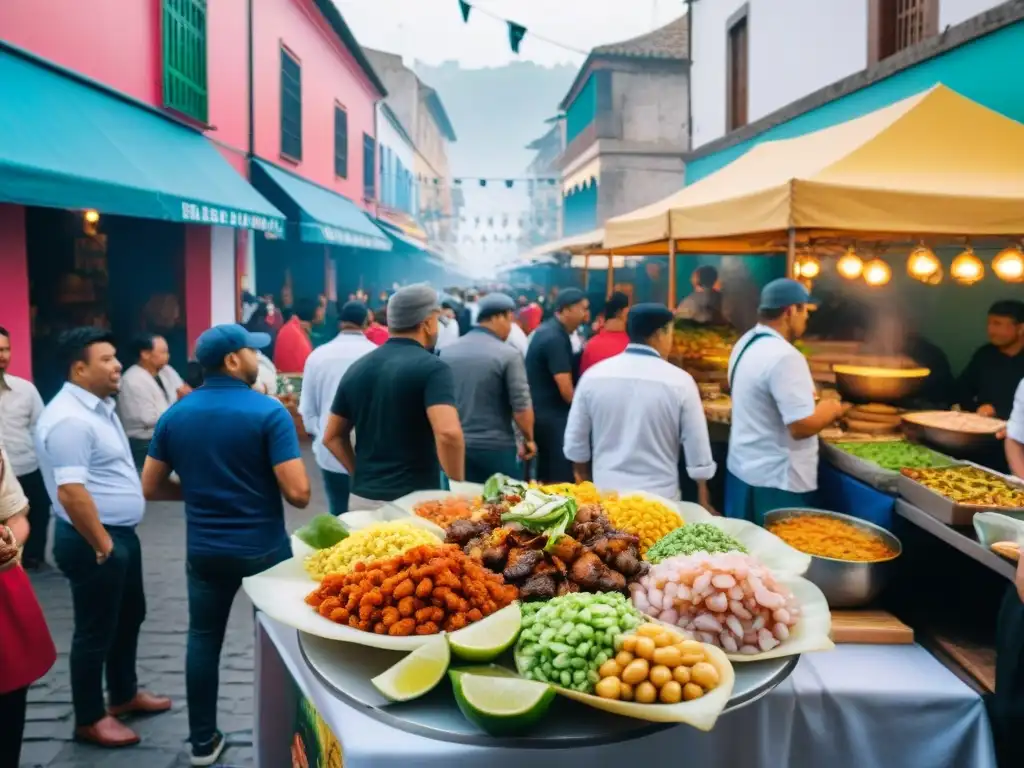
[340, 142]
[369, 167]
[184, 49]
[291, 106]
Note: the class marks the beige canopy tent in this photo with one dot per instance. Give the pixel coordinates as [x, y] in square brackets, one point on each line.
[935, 164]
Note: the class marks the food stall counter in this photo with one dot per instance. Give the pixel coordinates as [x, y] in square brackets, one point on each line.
[868, 689]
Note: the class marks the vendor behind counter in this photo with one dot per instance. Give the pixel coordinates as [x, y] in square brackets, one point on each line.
[988, 383]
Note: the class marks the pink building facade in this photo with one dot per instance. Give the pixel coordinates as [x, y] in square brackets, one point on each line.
[186, 65]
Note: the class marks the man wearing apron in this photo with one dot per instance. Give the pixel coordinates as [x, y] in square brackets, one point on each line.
[773, 443]
[1006, 707]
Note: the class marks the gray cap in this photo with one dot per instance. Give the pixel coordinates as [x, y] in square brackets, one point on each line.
[410, 306]
[495, 304]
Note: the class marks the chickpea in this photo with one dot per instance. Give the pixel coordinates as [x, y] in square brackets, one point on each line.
[646, 693]
[692, 691]
[622, 658]
[608, 688]
[705, 675]
[635, 672]
[659, 675]
[681, 674]
[671, 693]
[628, 643]
[626, 692]
[610, 669]
[664, 640]
[691, 647]
[649, 630]
[645, 647]
[669, 656]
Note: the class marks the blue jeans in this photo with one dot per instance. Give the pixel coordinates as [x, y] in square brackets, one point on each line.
[482, 463]
[336, 485]
[109, 606]
[213, 581]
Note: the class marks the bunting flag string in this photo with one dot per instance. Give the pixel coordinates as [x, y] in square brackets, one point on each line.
[483, 181]
[516, 31]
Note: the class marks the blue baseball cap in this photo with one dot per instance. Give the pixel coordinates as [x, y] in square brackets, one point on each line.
[782, 293]
[216, 343]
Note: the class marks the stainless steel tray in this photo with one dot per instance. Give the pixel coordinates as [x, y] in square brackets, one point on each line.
[346, 669]
[946, 510]
[885, 480]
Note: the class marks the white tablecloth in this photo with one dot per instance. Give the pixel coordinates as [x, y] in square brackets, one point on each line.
[860, 706]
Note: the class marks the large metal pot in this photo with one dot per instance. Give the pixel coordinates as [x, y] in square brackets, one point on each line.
[865, 384]
[845, 583]
[954, 441]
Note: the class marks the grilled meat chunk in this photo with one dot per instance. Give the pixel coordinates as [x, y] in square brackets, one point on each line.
[494, 557]
[462, 531]
[566, 549]
[538, 587]
[521, 563]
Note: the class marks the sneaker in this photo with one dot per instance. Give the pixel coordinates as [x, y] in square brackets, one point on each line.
[210, 752]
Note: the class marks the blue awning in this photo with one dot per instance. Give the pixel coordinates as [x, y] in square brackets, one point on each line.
[403, 243]
[321, 216]
[67, 144]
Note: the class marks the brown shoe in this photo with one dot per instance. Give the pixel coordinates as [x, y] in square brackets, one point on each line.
[108, 732]
[143, 704]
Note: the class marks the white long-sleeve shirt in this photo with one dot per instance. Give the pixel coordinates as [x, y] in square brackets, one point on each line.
[323, 373]
[20, 408]
[142, 400]
[630, 416]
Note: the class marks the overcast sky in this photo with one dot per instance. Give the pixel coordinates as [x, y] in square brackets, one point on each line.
[432, 31]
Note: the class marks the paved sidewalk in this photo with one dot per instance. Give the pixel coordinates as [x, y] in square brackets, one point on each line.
[161, 662]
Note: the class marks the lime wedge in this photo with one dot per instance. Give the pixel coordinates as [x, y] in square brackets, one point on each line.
[417, 673]
[488, 638]
[501, 706]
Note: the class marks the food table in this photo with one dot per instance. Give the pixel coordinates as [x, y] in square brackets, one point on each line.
[825, 709]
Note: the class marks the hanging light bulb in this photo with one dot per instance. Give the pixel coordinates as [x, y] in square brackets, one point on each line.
[935, 277]
[850, 265]
[810, 267]
[1009, 264]
[922, 263]
[967, 269]
[797, 269]
[877, 272]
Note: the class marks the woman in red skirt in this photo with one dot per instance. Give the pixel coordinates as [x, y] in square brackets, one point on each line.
[26, 648]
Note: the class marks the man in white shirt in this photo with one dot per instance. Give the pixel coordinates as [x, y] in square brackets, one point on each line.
[148, 388]
[633, 412]
[447, 324]
[20, 408]
[517, 338]
[773, 442]
[324, 370]
[1015, 435]
[97, 501]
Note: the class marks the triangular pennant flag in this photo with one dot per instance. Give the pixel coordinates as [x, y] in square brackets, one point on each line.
[515, 35]
[509, 183]
[483, 182]
[465, 8]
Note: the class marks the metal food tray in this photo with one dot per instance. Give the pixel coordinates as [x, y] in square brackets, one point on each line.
[885, 480]
[945, 509]
[347, 670]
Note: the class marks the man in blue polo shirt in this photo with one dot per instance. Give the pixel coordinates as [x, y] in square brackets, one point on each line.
[236, 452]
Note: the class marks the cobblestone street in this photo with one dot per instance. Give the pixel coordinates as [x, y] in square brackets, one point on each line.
[161, 664]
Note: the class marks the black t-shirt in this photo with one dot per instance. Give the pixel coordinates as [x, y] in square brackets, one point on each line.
[385, 395]
[549, 353]
[991, 378]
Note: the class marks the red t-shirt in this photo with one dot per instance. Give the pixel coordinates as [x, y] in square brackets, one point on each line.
[606, 344]
[531, 317]
[377, 333]
[292, 347]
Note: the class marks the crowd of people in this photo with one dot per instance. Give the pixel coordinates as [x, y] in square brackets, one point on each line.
[464, 385]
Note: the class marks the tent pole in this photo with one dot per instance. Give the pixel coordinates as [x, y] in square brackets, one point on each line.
[586, 272]
[791, 252]
[611, 275]
[672, 274]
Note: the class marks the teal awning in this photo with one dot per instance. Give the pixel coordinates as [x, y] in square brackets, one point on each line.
[67, 144]
[408, 245]
[322, 216]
